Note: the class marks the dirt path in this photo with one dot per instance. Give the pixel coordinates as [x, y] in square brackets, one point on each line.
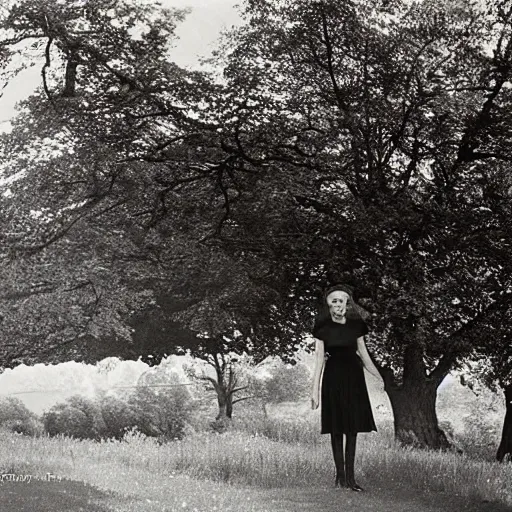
[69, 496]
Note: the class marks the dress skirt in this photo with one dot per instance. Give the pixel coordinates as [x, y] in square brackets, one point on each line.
[345, 402]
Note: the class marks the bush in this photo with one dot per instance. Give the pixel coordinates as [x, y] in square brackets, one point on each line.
[118, 417]
[66, 420]
[13, 409]
[288, 383]
[162, 413]
[282, 383]
[15, 417]
[481, 437]
[27, 427]
[78, 417]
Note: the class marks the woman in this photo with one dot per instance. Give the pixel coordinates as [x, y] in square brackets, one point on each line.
[339, 333]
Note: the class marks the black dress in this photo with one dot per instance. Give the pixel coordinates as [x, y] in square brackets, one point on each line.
[345, 402]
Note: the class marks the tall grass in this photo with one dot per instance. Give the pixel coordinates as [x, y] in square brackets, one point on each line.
[269, 455]
[299, 430]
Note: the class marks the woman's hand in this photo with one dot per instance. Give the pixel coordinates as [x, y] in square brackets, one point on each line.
[317, 376]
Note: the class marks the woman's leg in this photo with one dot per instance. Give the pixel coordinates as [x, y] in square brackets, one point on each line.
[350, 455]
[337, 451]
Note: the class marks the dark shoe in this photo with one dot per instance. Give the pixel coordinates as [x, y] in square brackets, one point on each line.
[340, 482]
[352, 485]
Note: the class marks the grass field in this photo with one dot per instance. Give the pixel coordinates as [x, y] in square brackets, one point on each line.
[208, 471]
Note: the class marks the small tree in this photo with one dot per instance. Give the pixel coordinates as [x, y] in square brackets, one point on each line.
[118, 416]
[286, 383]
[15, 417]
[162, 412]
[230, 378]
[78, 417]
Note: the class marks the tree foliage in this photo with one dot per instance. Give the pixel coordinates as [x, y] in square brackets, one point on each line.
[285, 383]
[382, 132]
[118, 143]
[79, 198]
[374, 139]
[359, 141]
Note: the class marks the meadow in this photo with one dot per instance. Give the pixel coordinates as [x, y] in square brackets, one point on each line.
[269, 459]
[242, 467]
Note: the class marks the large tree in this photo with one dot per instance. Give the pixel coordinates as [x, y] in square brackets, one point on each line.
[78, 201]
[370, 141]
[109, 147]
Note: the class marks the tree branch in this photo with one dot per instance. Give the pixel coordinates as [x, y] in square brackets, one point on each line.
[239, 389]
[244, 398]
[45, 67]
[214, 383]
[443, 368]
[330, 62]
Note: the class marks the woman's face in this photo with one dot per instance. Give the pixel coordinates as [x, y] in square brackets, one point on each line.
[337, 303]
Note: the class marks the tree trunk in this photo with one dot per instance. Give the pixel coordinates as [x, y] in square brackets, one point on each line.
[505, 447]
[222, 410]
[70, 79]
[225, 385]
[225, 402]
[414, 410]
[229, 406]
[222, 402]
[414, 400]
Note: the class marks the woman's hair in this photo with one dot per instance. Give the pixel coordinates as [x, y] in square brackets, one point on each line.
[352, 308]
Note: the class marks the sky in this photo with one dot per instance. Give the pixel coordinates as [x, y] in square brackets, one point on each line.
[197, 36]
[202, 27]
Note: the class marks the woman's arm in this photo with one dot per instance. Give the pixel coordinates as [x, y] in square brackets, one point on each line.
[319, 366]
[365, 357]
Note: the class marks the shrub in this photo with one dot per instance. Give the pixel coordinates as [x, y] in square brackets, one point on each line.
[67, 420]
[118, 417]
[28, 427]
[288, 383]
[13, 409]
[481, 436]
[78, 417]
[162, 413]
[15, 417]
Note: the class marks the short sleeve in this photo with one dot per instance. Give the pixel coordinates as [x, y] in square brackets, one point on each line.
[363, 329]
